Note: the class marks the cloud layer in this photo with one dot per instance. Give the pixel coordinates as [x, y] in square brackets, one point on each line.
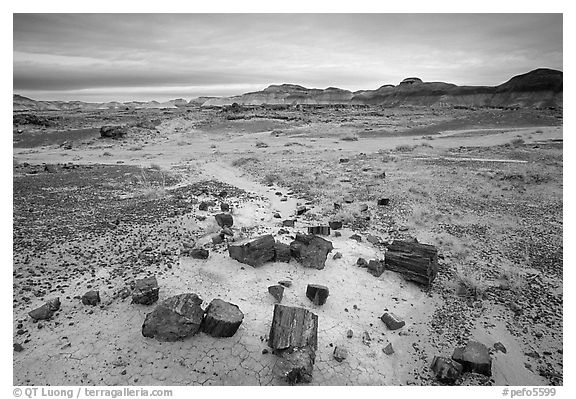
[100, 57]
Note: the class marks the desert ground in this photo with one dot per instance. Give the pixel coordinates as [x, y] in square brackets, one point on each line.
[483, 185]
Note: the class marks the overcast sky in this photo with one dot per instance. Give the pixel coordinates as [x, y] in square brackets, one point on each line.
[103, 57]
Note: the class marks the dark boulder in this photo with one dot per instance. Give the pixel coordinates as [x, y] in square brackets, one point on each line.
[199, 253]
[145, 291]
[253, 251]
[475, 357]
[340, 353]
[446, 370]
[317, 293]
[175, 318]
[91, 298]
[335, 225]
[46, 311]
[392, 321]
[383, 201]
[376, 267]
[310, 250]
[224, 220]
[222, 319]
[288, 223]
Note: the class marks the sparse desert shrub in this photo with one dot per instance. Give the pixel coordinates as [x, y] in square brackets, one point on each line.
[150, 190]
[346, 216]
[136, 148]
[470, 283]
[272, 178]
[517, 142]
[404, 148]
[244, 160]
[349, 137]
[426, 145]
[106, 154]
[261, 144]
[155, 166]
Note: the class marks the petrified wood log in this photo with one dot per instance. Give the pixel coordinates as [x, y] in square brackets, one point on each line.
[319, 230]
[281, 252]
[222, 319]
[145, 291]
[253, 251]
[310, 250]
[174, 318]
[293, 327]
[416, 262]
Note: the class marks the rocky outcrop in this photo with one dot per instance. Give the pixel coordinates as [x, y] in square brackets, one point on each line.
[474, 357]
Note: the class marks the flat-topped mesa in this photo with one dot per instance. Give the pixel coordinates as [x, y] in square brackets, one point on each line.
[411, 81]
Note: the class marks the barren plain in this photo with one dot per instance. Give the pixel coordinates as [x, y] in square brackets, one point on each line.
[483, 185]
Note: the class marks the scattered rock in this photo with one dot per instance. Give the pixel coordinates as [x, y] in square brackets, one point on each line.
[17, 347]
[288, 223]
[383, 201]
[253, 251]
[366, 339]
[145, 291]
[224, 207]
[337, 234]
[199, 253]
[277, 291]
[392, 321]
[388, 349]
[224, 220]
[310, 250]
[474, 357]
[285, 283]
[376, 267]
[319, 230]
[349, 334]
[45, 311]
[363, 208]
[222, 319]
[277, 215]
[356, 237]
[175, 318]
[301, 210]
[335, 225]
[446, 370]
[348, 199]
[361, 262]
[91, 298]
[344, 160]
[372, 239]
[317, 293]
[340, 353]
[337, 256]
